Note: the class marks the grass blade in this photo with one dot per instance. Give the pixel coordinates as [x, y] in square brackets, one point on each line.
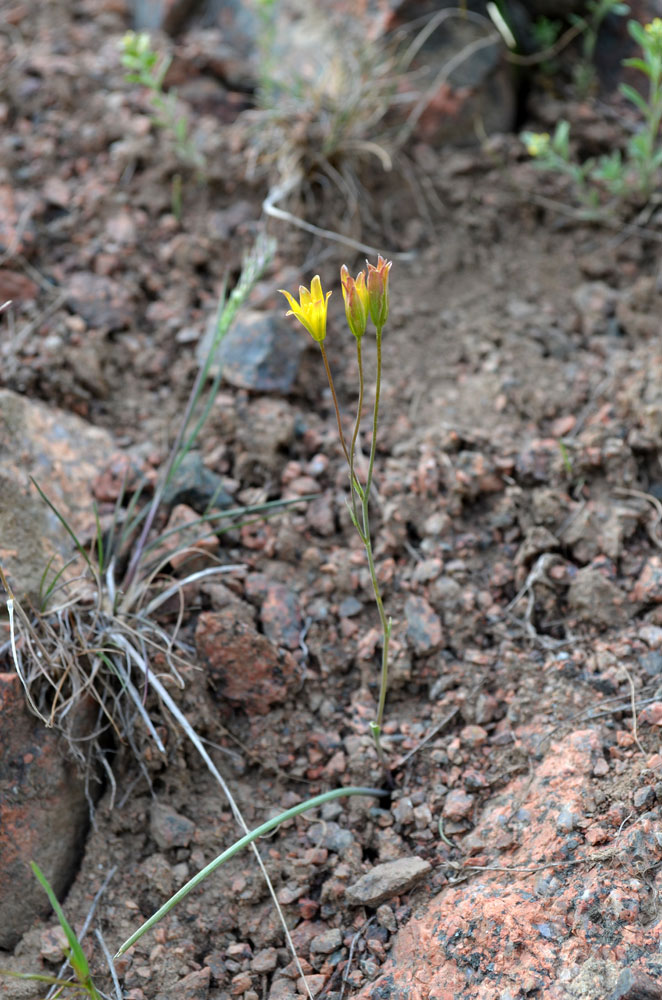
[63, 521]
[244, 841]
[77, 955]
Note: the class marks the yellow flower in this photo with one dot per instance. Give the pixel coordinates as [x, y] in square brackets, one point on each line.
[135, 42]
[654, 29]
[355, 294]
[536, 143]
[310, 310]
[378, 290]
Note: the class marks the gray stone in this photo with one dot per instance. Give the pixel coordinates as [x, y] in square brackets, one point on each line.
[651, 662]
[326, 942]
[386, 918]
[594, 598]
[261, 352]
[170, 828]
[195, 986]
[458, 805]
[64, 455]
[283, 989]
[387, 880]
[644, 797]
[403, 810]
[196, 486]
[350, 607]
[265, 960]
[103, 303]
[567, 820]
[424, 631]
[332, 836]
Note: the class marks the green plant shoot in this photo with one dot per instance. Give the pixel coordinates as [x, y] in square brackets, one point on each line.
[618, 174]
[149, 69]
[74, 952]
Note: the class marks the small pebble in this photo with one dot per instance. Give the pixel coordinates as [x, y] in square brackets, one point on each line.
[387, 880]
[386, 918]
[327, 942]
[567, 820]
[403, 811]
[644, 797]
[265, 960]
[458, 805]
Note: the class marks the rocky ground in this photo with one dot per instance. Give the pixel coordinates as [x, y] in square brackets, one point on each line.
[517, 526]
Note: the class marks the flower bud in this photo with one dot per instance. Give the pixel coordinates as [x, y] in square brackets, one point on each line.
[355, 294]
[378, 291]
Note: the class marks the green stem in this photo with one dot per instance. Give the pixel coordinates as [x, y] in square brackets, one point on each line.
[375, 412]
[335, 401]
[354, 484]
[244, 841]
[652, 132]
[376, 726]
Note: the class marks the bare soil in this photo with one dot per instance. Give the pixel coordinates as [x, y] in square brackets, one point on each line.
[516, 526]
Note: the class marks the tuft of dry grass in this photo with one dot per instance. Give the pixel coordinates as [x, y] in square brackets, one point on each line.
[336, 109]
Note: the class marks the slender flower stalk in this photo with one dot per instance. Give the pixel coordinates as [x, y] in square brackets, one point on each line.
[335, 402]
[358, 490]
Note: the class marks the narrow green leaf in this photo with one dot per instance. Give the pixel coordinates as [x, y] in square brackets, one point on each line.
[45, 597]
[63, 521]
[100, 552]
[637, 64]
[637, 32]
[39, 978]
[77, 956]
[244, 841]
[635, 97]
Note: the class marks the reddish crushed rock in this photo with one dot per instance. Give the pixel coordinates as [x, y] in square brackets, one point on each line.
[195, 986]
[44, 812]
[243, 666]
[648, 588]
[506, 933]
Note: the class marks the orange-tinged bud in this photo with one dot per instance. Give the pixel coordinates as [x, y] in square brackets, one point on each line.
[310, 310]
[378, 291]
[355, 294]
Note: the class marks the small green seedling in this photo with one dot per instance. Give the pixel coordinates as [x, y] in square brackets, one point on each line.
[74, 953]
[552, 153]
[149, 69]
[644, 150]
[617, 174]
[596, 12]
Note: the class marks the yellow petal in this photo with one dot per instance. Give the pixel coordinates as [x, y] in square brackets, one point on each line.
[292, 301]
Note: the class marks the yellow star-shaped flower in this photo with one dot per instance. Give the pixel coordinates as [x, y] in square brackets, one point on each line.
[310, 310]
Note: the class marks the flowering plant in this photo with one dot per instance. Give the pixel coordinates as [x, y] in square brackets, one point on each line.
[364, 296]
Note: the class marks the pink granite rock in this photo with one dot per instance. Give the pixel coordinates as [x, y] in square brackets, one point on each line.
[572, 923]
